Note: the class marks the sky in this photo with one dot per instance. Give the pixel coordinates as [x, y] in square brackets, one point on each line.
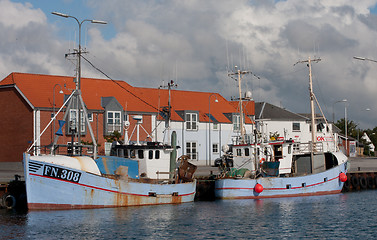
[197, 43]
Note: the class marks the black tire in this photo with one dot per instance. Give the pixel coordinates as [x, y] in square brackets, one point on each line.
[10, 202]
[370, 182]
[363, 182]
[346, 185]
[355, 182]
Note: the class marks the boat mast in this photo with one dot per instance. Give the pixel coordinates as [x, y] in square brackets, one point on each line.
[167, 119]
[312, 97]
[238, 72]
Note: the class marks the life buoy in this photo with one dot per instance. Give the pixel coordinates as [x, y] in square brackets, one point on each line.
[363, 182]
[262, 160]
[370, 182]
[355, 182]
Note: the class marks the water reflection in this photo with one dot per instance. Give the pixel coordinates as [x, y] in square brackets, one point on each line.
[333, 216]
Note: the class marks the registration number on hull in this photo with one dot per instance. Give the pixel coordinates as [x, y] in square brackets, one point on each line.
[61, 173]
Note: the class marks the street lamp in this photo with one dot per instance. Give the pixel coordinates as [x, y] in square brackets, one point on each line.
[209, 126]
[364, 59]
[53, 104]
[78, 83]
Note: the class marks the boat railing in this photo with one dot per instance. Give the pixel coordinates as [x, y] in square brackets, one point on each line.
[64, 149]
[302, 148]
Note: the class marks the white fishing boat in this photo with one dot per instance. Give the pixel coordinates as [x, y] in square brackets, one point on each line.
[134, 174]
[253, 168]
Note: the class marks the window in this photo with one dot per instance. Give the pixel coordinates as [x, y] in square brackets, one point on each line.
[157, 154]
[191, 121]
[239, 152]
[215, 126]
[73, 120]
[150, 154]
[215, 148]
[247, 152]
[140, 154]
[191, 150]
[90, 117]
[296, 126]
[236, 123]
[113, 121]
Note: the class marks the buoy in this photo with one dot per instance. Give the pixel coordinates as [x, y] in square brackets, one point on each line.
[258, 188]
[342, 177]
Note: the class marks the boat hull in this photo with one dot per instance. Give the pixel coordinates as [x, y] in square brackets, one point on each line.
[51, 186]
[327, 182]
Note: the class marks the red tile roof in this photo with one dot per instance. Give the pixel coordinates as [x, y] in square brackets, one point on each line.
[38, 89]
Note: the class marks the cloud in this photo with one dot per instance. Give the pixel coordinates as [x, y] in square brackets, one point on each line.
[197, 42]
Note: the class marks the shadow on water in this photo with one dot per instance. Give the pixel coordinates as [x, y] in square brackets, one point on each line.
[350, 215]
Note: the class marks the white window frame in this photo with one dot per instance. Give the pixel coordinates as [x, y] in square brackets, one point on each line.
[299, 127]
[236, 120]
[90, 116]
[116, 121]
[215, 148]
[192, 150]
[192, 121]
[73, 118]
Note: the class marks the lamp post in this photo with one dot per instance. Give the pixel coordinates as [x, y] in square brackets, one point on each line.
[53, 105]
[209, 126]
[78, 83]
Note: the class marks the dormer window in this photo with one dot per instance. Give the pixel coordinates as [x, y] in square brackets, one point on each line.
[113, 121]
[236, 123]
[191, 121]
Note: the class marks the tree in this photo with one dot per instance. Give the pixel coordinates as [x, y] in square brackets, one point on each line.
[351, 127]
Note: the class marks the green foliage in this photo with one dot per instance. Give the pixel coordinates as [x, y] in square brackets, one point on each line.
[114, 136]
[357, 133]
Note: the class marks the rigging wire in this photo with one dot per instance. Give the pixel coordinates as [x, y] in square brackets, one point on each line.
[119, 84]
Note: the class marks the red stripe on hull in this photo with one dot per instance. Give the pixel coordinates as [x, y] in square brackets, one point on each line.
[51, 206]
[286, 195]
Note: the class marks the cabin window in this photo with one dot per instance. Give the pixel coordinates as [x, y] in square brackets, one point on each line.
[191, 121]
[132, 153]
[140, 154]
[126, 153]
[239, 152]
[215, 126]
[320, 127]
[150, 154]
[247, 152]
[157, 154]
[215, 148]
[120, 152]
[191, 150]
[236, 123]
[296, 127]
[113, 121]
[289, 149]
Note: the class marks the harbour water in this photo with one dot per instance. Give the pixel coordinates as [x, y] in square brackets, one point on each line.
[342, 216]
